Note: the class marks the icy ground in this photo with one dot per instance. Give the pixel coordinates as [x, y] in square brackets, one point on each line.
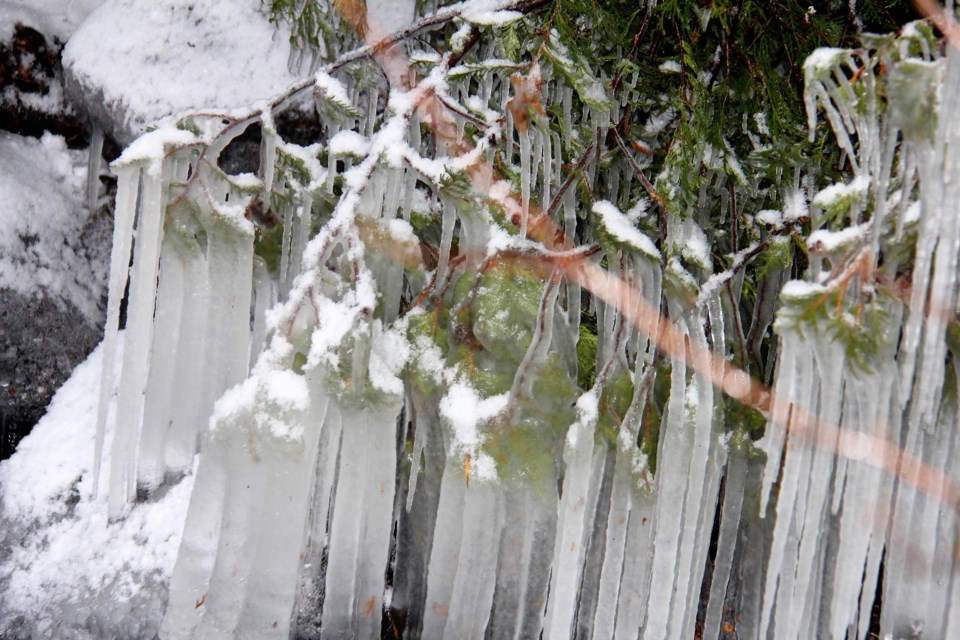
[65, 572]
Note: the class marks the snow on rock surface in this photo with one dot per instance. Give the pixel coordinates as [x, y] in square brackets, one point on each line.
[136, 61]
[42, 245]
[65, 572]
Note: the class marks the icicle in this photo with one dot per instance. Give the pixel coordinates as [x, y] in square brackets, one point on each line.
[271, 586]
[128, 180]
[566, 97]
[360, 525]
[547, 161]
[446, 239]
[417, 521]
[699, 481]
[94, 162]
[136, 353]
[726, 543]
[536, 156]
[581, 488]
[264, 297]
[445, 552]
[776, 431]
[523, 571]
[674, 454]
[189, 413]
[229, 274]
[333, 130]
[830, 359]
[462, 571]
[158, 397]
[286, 250]
[524, 181]
[791, 501]
[392, 283]
[540, 342]
[312, 576]
[268, 156]
[190, 579]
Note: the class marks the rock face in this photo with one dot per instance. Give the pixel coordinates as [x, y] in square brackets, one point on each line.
[53, 256]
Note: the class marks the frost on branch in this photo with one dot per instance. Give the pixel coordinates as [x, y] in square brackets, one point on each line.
[461, 368]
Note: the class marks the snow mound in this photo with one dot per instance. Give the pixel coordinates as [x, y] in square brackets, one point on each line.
[133, 62]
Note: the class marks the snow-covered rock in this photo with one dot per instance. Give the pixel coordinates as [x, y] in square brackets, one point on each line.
[133, 62]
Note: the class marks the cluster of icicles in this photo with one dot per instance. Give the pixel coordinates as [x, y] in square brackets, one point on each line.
[301, 389]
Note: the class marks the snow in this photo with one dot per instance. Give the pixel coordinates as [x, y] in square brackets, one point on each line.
[670, 66]
[349, 143]
[151, 147]
[835, 193]
[770, 217]
[69, 571]
[332, 88]
[389, 353]
[795, 205]
[822, 60]
[488, 12]
[466, 410]
[149, 59]
[801, 290]
[41, 251]
[825, 241]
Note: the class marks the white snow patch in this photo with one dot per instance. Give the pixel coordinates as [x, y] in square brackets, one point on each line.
[670, 66]
[488, 12]
[833, 194]
[826, 241]
[770, 217]
[822, 59]
[349, 143]
[622, 229]
[801, 290]
[466, 410]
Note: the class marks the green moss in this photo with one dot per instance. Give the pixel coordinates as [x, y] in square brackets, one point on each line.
[587, 356]
[269, 246]
[615, 398]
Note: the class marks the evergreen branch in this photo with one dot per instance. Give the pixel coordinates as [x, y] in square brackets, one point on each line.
[733, 381]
